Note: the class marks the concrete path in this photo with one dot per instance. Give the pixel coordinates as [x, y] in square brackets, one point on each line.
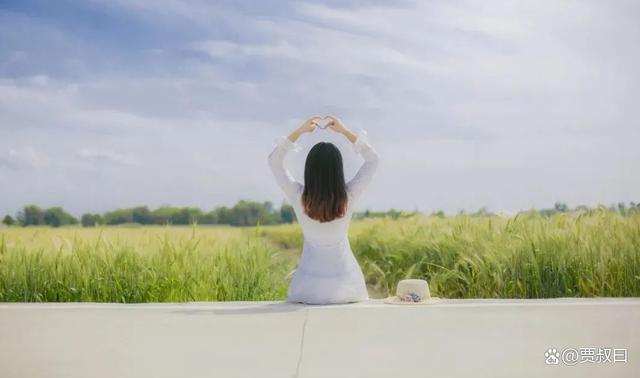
[456, 338]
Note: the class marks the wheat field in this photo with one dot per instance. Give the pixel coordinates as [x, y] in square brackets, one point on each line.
[594, 253]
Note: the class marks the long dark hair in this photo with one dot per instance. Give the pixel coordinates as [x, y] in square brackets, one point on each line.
[325, 195]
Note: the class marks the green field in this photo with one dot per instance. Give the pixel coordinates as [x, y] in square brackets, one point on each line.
[594, 253]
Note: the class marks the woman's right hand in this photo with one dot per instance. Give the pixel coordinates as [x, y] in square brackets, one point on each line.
[335, 124]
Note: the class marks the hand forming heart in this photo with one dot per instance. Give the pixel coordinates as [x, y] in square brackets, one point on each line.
[327, 124]
[314, 122]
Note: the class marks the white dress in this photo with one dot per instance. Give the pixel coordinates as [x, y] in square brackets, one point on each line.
[328, 272]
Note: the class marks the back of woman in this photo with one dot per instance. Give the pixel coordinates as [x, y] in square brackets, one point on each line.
[328, 271]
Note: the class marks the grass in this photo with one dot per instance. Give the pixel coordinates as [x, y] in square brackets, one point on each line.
[596, 253]
[150, 264]
[590, 254]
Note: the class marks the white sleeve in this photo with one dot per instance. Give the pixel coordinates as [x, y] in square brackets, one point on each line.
[285, 180]
[361, 146]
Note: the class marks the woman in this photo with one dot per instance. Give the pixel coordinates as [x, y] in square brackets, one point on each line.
[328, 271]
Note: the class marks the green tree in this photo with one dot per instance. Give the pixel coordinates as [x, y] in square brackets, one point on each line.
[224, 215]
[268, 205]
[8, 220]
[90, 220]
[31, 215]
[287, 214]
[141, 215]
[187, 215]
[209, 218]
[56, 217]
[176, 215]
[118, 216]
[247, 213]
[163, 215]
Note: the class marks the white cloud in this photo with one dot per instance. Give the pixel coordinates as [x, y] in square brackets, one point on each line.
[99, 156]
[24, 158]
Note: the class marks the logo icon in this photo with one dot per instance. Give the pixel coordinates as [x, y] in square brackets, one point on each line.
[551, 357]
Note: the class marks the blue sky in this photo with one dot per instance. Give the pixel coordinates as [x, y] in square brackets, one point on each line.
[509, 105]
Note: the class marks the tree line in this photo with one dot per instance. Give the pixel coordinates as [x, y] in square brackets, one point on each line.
[243, 213]
[558, 208]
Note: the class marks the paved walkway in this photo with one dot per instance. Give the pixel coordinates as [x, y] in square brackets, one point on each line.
[456, 338]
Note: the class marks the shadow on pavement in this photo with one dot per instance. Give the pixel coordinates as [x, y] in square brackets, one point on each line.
[268, 308]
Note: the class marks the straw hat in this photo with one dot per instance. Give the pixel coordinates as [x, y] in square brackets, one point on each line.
[412, 292]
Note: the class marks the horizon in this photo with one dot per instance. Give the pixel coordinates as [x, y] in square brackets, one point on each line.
[109, 104]
[569, 208]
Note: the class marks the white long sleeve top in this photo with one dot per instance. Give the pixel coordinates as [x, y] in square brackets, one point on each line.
[328, 271]
[313, 229]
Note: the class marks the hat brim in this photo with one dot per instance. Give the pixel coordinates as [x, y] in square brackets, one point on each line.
[396, 300]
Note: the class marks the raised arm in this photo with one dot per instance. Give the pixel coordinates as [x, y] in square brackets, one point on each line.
[365, 173]
[361, 146]
[291, 188]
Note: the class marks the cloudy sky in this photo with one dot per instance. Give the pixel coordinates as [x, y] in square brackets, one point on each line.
[509, 105]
